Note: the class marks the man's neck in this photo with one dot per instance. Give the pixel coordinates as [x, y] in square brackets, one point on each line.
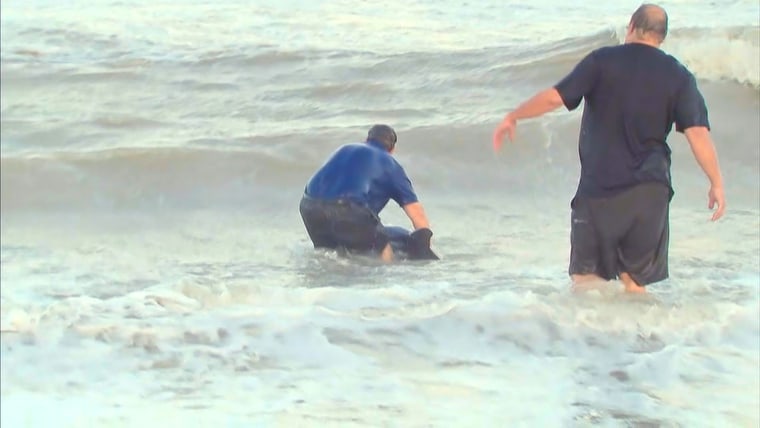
[643, 41]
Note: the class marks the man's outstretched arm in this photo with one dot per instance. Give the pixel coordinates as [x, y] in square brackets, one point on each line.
[541, 103]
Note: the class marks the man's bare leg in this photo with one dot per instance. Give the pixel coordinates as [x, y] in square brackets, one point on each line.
[387, 254]
[589, 277]
[585, 282]
[630, 285]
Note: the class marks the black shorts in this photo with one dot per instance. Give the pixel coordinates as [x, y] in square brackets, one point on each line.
[342, 224]
[628, 233]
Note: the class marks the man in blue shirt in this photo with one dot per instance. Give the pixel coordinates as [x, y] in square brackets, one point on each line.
[633, 95]
[341, 203]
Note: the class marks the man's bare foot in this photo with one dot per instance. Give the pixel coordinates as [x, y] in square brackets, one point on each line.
[635, 289]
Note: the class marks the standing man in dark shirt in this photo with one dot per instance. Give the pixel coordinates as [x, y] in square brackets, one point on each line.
[342, 201]
[633, 94]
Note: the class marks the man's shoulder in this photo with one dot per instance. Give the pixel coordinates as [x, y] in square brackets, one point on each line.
[362, 150]
[606, 54]
[631, 51]
[607, 51]
[350, 148]
[673, 62]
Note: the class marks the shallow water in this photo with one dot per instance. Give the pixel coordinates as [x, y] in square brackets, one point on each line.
[154, 268]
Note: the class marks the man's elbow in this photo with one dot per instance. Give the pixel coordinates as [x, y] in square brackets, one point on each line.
[554, 98]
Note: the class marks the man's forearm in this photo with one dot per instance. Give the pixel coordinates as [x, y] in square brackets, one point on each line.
[543, 102]
[704, 152]
[416, 214]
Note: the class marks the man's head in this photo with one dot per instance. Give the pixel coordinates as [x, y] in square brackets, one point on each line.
[383, 134]
[649, 24]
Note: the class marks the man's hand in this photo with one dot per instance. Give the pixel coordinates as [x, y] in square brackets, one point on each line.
[507, 126]
[716, 197]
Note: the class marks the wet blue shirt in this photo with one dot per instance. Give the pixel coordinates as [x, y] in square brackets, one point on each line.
[633, 95]
[364, 173]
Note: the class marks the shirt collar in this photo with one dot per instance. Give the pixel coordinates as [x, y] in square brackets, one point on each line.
[377, 144]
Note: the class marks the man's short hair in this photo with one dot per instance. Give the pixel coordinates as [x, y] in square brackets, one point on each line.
[650, 18]
[383, 134]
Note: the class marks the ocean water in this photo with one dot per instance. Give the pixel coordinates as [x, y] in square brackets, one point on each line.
[154, 268]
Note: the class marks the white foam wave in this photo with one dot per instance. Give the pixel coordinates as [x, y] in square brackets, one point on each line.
[720, 54]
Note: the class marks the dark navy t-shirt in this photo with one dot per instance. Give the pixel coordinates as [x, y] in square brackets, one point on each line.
[364, 173]
[633, 94]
